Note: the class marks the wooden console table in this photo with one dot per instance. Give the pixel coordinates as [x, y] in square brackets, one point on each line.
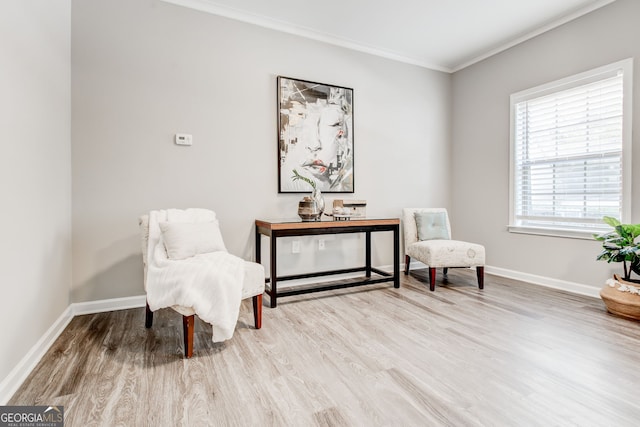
[295, 227]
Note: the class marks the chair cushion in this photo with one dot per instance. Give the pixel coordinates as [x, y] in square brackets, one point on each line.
[447, 253]
[186, 239]
[253, 283]
[432, 225]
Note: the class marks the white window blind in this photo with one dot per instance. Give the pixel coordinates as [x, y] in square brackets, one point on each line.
[567, 153]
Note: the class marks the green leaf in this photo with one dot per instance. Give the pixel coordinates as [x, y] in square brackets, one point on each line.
[604, 236]
[611, 221]
[635, 230]
[296, 176]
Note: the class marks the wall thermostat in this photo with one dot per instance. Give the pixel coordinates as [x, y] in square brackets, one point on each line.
[184, 139]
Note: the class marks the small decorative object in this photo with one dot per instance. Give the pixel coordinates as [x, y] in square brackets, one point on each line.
[339, 213]
[621, 295]
[311, 207]
[315, 135]
[308, 209]
[351, 208]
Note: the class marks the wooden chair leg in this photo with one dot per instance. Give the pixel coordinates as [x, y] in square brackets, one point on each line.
[432, 279]
[187, 327]
[148, 320]
[480, 274]
[445, 271]
[257, 311]
[407, 260]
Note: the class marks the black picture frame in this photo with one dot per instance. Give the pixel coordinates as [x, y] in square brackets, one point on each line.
[315, 136]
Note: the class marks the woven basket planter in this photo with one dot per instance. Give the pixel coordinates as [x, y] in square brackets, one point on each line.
[622, 304]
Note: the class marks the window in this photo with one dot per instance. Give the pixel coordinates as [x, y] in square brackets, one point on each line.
[570, 153]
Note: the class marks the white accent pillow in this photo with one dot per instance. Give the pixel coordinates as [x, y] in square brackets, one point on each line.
[186, 239]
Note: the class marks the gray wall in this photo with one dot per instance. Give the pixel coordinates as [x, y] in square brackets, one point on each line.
[144, 70]
[481, 93]
[35, 172]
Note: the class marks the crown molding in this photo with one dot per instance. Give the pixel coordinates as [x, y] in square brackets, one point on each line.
[210, 7]
[548, 27]
[277, 25]
[273, 24]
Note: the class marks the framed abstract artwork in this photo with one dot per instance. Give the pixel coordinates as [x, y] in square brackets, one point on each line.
[315, 136]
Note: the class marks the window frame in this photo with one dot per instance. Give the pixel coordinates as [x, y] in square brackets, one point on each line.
[580, 79]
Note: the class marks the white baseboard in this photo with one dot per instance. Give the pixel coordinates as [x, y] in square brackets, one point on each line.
[17, 376]
[547, 282]
[21, 371]
[114, 304]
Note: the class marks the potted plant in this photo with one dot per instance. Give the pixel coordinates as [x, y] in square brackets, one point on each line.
[621, 295]
[619, 245]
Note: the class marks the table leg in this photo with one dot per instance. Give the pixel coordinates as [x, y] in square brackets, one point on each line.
[258, 247]
[368, 253]
[396, 256]
[274, 287]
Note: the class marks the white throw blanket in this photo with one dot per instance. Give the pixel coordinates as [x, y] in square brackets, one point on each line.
[210, 284]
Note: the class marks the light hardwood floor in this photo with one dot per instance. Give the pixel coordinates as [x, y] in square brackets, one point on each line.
[512, 354]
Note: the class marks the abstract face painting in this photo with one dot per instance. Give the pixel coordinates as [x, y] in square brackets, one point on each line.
[315, 136]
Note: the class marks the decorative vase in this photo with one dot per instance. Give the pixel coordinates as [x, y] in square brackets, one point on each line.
[317, 196]
[308, 209]
[618, 302]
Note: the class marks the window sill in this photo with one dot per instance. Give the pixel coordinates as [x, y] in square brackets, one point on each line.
[555, 232]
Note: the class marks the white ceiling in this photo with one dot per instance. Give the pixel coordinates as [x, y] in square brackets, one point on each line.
[445, 35]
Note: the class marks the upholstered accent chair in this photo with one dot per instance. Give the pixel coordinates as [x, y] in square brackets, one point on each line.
[253, 285]
[427, 238]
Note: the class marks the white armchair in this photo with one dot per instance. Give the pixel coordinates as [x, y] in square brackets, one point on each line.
[253, 284]
[427, 238]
